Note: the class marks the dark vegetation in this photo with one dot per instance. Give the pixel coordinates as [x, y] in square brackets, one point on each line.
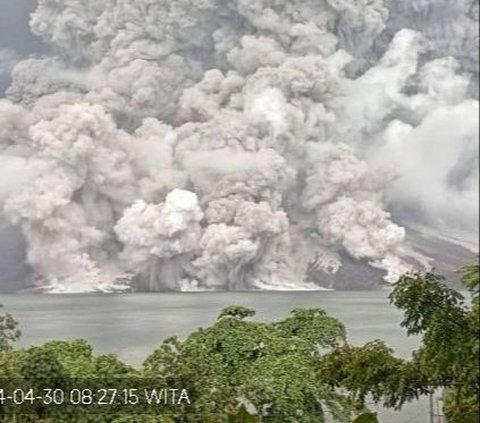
[239, 370]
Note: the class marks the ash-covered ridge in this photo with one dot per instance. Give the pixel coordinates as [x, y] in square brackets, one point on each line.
[237, 144]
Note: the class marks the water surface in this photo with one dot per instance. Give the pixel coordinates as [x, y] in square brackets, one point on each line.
[132, 325]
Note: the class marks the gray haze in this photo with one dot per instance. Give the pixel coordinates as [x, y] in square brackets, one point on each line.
[235, 144]
[16, 40]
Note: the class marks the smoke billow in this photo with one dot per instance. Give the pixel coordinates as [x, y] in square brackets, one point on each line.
[189, 144]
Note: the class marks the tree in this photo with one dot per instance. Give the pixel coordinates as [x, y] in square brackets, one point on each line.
[9, 332]
[266, 368]
[238, 370]
[297, 370]
[65, 366]
[447, 358]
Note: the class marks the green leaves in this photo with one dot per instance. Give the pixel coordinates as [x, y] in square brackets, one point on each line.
[271, 366]
[423, 299]
[297, 370]
[449, 327]
[447, 357]
[470, 278]
[42, 367]
[314, 326]
[9, 332]
[366, 418]
[242, 416]
[460, 408]
[238, 312]
[143, 419]
[370, 370]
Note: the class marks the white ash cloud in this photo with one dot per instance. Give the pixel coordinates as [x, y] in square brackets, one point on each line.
[8, 58]
[189, 144]
[154, 236]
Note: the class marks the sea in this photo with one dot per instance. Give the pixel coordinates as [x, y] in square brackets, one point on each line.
[133, 325]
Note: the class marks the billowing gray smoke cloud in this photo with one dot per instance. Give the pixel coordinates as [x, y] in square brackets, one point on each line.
[192, 144]
[450, 28]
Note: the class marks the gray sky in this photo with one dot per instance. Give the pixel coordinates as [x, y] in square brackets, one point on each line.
[14, 31]
[15, 35]
[17, 38]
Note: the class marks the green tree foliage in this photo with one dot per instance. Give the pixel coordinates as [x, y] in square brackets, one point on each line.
[242, 416]
[372, 371]
[297, 370]
[62, 365]
[461, 399]
[366, 418]
[238, 371]
[470, 278]
[9, 332]
[448, 325]
[268, 367]
[143, 419]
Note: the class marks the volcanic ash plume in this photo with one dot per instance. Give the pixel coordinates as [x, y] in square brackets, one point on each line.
[229, 144]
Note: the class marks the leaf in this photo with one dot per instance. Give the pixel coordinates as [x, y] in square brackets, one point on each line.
[238, 312]
[243, 416]
[366, 418]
